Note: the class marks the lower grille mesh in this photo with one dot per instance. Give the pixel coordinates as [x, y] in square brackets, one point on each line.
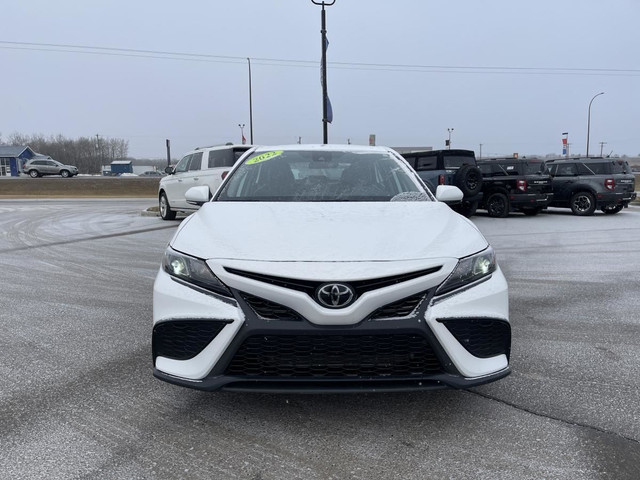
[184, 339]
[335, 356]
[482, 337]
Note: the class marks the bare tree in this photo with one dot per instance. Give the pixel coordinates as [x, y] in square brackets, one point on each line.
[86, 153]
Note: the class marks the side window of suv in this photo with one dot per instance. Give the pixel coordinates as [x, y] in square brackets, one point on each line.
[196, 161]
[426, 163]
[599, 168]
[183, 165]
[485, 169]
[221, 158]
[566, 170]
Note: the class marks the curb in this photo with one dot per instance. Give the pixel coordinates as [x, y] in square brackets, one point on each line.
[151, 212]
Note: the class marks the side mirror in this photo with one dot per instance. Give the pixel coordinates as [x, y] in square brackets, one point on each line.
[198, 195]
[449, 194]
[169, 170]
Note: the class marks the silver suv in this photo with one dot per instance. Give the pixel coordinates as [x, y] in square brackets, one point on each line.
[205, 166]
[39, 168]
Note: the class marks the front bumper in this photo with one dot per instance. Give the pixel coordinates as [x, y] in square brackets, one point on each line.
[419, 351]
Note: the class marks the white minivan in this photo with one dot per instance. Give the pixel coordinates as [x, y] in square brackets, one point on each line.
[202, 166]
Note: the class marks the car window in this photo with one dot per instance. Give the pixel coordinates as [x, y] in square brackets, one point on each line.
[196, 161]
[620, 166]
[426, 163]
[485, 169]
[535, 168]
[221, 158]
[566, 170]
[306, 176]
[183, 165]
[457, 161]
[593, 168]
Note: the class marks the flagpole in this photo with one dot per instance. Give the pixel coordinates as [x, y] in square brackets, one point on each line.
[323, 31]
[250, 104]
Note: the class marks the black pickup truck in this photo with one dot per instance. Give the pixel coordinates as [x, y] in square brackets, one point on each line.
[515, 184]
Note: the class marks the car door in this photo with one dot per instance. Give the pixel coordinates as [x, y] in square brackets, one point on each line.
[50, 168]
[174, 184]
[564, 177]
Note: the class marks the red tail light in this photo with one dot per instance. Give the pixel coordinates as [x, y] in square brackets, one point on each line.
[441, 179]
[224, 174]
[610, 184]
[522, 185]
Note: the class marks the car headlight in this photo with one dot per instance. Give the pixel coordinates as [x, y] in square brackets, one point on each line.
[469, 270]
[192, 270]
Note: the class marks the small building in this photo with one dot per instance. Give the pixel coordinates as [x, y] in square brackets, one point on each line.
[13, 158]
[121, 166]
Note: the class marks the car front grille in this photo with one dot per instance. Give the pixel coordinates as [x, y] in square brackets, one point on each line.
[334, 356]
[309, 287]
[270, 310]
[481, 337]
[401, 308]
[184, 339]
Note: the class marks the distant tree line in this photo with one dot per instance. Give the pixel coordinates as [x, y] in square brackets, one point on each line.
[86, 153]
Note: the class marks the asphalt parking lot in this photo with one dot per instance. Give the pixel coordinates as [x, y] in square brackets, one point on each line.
[79, 401]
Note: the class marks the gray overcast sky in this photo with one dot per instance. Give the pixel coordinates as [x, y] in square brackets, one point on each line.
[146, 100]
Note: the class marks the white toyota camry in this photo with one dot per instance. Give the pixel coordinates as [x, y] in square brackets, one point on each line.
[328, 268]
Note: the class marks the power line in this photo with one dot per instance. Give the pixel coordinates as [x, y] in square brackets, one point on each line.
[187, 56]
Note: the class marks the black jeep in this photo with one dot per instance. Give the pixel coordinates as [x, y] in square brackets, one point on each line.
[515, 184]
[450, 167]
[585, 184]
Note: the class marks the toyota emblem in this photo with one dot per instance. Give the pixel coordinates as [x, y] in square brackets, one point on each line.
[334, 295]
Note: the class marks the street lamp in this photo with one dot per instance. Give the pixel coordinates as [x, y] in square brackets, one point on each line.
[244, 140]
[449, 141]
[589, 120]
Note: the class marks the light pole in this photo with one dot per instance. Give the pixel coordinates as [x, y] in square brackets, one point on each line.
[589, 120]
[325, 98]
[602, 144]
[244, 140]
[250, 104]
[449, 141]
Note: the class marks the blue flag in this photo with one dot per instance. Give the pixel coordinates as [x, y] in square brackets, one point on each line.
[329, 118]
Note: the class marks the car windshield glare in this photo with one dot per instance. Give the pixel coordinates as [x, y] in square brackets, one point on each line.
[320, 175]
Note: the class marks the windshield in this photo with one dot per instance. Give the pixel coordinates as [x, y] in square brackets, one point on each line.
[312, 175]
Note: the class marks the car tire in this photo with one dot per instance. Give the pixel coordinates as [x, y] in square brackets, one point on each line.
[530, 212]
[612, 209]
[468, 179]
[34, 173]
[498, 205]
[466, 208]
[165, 209]
[65, 174]
[583, 204]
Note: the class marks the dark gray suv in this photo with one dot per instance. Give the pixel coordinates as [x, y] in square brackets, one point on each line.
[587, 184]
[450, 167]
[39, 168]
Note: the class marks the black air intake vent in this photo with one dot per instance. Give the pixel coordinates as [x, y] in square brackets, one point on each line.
[184, 339]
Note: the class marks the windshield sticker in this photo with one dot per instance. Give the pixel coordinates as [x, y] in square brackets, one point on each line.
[264, 157]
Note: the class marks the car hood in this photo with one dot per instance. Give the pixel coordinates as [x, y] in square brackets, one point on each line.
[327, 232]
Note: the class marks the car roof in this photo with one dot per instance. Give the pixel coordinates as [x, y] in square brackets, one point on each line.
[582, 159]
[324, 148]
